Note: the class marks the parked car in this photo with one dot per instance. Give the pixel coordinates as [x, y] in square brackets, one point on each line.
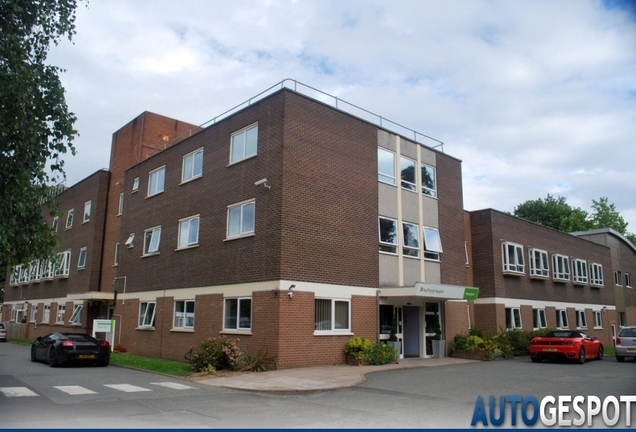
[626, 343]
[565, 344]
[61, 348]
[3, 332]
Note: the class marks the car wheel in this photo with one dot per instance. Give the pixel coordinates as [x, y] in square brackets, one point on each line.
[536, 359]
[52, 358]
[581, 358]
[620, 359]
[600, 353]
[33, 358]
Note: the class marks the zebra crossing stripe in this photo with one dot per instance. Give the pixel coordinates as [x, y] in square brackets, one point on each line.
[173, 385]
[17, 392]
[128, 388]
[75, 390]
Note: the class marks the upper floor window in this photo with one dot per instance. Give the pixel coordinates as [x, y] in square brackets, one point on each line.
[513, 319]
[130, 242]
[87, 211]
[156, 181]
[560, 268]
[539, 263]
[81, 262]
[617, 278]
[152, 237]
[331, 315]
[135, 187]
[237, 314]
[581, 321]
[192, 166]
[244, 144]
[628, 280]
[408, 173]
[188, 232]
[76, 318]
[512, 257]
[579, 271]
[63, 264]
[147, 314]
[120, 209]
[539, 319]
[184, 314]
[562, 319]
[240, 219]
[388, 235]
[69, 218]
[56, 221]
[596, 274]
[47, 269]
[411, 239]
[386, 166]
[432, 243]
[116, 258]
[429, 181]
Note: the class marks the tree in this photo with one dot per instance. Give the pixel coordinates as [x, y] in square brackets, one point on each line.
[606, 216]
[555, 213]
[36, 127]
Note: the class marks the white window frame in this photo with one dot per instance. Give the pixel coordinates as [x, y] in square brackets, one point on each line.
[242, 230]
[406, 163]
[332, 316]
[76, 318]
[34, 312]
[146, 315]
[579, 271]
[191, 173]
[513, 319]
[581, 320]
[135, 186]
[130, 242]
[55, 223]
[14, 277]
[618, 278]
[388, 245]
[427, 189]
[432, 243]
[63, 264]
[69, 219]
[61, 310]
[87, 211]
[598, 319]
[386, 177]
[152, 241]
[46, 314]
[562, 319]
[238, 317]
[596, 274]
[116, 258]
[560, 267]
[245, 151]
[34, 271]
[183, 319]
[184, 239]
[628, 280]
[81, 260]
[540, 317]
[512, 266]
[156, 181]
[539, 263]
[120, 209]
[410, 240]
[47, 271]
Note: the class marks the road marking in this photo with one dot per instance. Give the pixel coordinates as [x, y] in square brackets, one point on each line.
[75, 390]
[17, 391]
[173, 385]
[128, 388]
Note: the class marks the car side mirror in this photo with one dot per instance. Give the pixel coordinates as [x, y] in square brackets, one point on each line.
[39, 338]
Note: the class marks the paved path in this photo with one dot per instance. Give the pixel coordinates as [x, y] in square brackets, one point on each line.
[319, 377]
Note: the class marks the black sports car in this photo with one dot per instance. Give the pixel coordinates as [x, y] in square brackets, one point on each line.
[60, 348]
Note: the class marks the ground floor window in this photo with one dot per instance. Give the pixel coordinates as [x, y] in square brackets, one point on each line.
[147, 314]
[562, 319]
[61, 310]
[34, 312]
[598, 321]
[184, 314]
[581, 321]
[513, 319]
[46, 314]
[331, 315]
[238, 314]
[76, 318]
[539, 320]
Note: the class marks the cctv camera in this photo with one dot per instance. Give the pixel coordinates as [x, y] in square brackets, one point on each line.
[260, 182]
[290, 294]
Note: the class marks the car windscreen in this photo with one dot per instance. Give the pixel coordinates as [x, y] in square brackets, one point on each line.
[627, 332]
[562, 334]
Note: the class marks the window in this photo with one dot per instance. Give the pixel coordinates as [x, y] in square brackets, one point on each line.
[466, 253]
[628, 280]
[562, 319]
[69, 218]
[116, 259]
[244, 144]
[120, 209]
[429, 182]
[130, 242]
[34, 313]
[192, 166]
[46, 314]
[61, 310]
[560, 268]
[76, 318]
[539, 319]
[81, 262]
[512, 256]
[184, 314]
[617, 278]
[581, 322]
[432, 243]
[386, 166]
[331, 315]
[411, 239]
[34, 271]
[238, 314]
[152, 237]
[188, 232]
[63, 264]
[87, 212]
[407, 173]
[596, 274]
[135, 187]
[388, 235]
[598, 321]
[513, 319]
[56, 221]
[579, 271]
[147, 314]
[240, 219]
[156, 181]
[47, 269]
[539, 263]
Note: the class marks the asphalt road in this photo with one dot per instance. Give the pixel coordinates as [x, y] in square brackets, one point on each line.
[114, 397]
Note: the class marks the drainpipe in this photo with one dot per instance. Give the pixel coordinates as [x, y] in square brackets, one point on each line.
[377, 312]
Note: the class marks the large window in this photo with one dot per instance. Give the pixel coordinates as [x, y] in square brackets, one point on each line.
[539, 320]
[562, 319]
[598, 321]
[581, 321]
[61, 310]
[156, 181]
[240, 219]
[152, 238]
[47, 269]
[188, 232]
[244, 144]
[238, 314]
[46, 314]
[560, 268]
[386, 166]
[69, 218]
[411, 239]
[76, 318]
[513, 319]
[184, 314]
[596, 274]
[429, 181]
[81, 261]
[408, 174]
[63, 264]
[512, 257]
[147, 314]
[539, 263]
[331, 315]
[192, 166]
[388, 235]
[579, 271]
[87, 211]
[432, 243]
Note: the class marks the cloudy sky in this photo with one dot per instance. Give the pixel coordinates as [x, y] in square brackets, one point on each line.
[535, 97]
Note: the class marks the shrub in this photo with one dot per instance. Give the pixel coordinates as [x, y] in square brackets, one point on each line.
[258, 362]
[118, 348]
[218, 352]
[366, 352]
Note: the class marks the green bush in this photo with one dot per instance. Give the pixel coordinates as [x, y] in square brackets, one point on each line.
[257, 362]
[366, 352]
[507, 343]
[217, 353]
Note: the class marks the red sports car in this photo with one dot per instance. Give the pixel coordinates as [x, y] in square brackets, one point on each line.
[566, 344]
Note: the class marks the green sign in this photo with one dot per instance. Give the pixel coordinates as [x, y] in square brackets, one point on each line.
[471, 293]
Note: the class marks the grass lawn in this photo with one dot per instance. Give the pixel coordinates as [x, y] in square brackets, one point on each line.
[168, 367]
[609, 351]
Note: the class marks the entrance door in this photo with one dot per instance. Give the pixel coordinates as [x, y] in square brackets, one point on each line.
[411, 331]
[432, 318]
